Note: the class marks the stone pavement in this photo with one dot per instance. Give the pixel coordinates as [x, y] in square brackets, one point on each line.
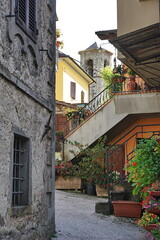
[76, 220]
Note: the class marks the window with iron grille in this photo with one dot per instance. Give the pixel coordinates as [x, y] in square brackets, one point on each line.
[26, 17]
[20, 181]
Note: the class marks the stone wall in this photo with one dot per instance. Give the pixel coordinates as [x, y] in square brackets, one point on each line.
[27, 74]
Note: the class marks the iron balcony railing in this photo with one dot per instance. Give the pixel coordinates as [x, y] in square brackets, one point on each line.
[86, 111]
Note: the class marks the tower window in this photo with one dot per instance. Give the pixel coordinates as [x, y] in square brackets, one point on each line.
[90, 67]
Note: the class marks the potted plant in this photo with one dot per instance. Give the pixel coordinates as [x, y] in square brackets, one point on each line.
[59, 135]
[127, 209]
[132, 85]
[148, 221]
[90, 163]
[59, 43]
[66, 177]
[154, 234]
[143, 169]
[152, 205]
[154, 189]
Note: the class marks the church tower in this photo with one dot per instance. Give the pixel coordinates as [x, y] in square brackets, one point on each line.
[93, 60]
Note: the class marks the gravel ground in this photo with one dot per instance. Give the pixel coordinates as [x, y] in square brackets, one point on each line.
[76, 220]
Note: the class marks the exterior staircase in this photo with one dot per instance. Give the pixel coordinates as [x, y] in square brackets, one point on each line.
[104, 113]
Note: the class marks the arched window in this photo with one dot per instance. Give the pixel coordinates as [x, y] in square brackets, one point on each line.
[90, 67]
[105, 63]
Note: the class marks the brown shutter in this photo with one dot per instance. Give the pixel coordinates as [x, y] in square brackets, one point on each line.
[73, 90]
[82, 97]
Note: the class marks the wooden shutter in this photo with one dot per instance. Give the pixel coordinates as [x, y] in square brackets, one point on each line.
[22, 10]
[21, 13]
[32, 15]
[73, 90]
[82, 97]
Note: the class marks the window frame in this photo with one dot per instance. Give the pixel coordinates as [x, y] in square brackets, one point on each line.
[21, 171]
[73, 90]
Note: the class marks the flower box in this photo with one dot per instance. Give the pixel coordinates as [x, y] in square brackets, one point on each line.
[127, 209]
[150, 227]
[101, 192]
[68, 183]
[154, 210]
[155, 194]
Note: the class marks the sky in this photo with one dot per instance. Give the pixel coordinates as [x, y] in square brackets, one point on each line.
[78, 21]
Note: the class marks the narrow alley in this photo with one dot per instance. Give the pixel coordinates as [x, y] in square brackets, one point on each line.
[76, 220]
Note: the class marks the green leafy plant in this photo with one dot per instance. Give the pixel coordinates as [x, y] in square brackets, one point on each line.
[147, 219]
[154, 234]
[91, 160]
[131, 72]
[144, 168]
[107, 74]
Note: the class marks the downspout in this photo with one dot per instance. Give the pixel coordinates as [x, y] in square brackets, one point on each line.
[53, 124]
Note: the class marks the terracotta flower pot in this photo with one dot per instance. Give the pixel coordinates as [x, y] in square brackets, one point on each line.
[127, 209]
[150, 227]
[155, 194]
[155, 211]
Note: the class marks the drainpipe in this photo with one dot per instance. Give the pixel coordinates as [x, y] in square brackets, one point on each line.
[53, 118]
[108, 185]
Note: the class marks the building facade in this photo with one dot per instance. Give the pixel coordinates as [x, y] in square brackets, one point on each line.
[72, 82]
[27, 72]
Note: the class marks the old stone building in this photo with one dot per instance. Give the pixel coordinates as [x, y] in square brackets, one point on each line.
[93, 60]
[27, 73]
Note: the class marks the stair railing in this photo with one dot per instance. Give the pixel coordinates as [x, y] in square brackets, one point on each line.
[86, 111]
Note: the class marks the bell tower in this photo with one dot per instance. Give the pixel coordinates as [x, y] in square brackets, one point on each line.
[93, 60]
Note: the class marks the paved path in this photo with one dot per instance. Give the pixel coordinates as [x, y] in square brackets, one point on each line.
[76, 220]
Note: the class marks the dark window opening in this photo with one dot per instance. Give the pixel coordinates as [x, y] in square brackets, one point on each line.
[90, 67]
[105, 63]
[26, 17]
[20, 181]
[73, 90]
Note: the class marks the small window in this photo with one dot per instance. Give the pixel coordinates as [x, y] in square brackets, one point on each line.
[26, 16]
[105, 63]
[82, 97]
[20, 180]
[90, 67]
[73, 90]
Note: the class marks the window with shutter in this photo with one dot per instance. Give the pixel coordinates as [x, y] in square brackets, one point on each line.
[82, 97]
[26, 17]
[73, 90]
[32, 15]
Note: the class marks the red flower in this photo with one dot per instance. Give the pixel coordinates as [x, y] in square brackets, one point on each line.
[153, 216]
[138, 183]
[134, 164]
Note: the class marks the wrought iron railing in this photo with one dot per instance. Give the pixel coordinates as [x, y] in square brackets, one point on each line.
[98, 101]
[86, 111]
[115, 154]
